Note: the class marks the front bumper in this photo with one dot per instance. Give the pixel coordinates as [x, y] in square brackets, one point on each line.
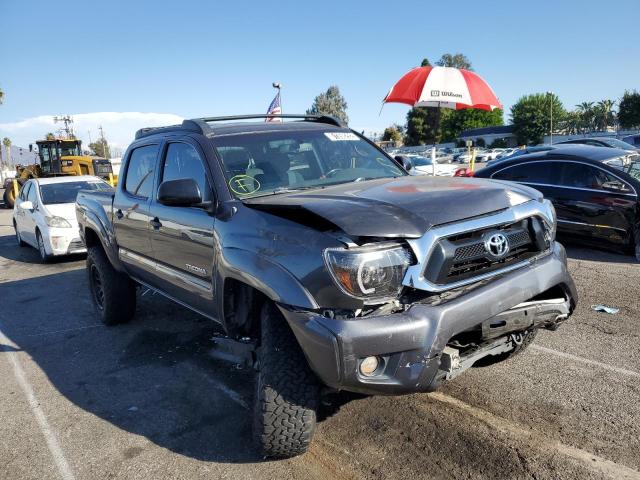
[64, 241]
[411, 342]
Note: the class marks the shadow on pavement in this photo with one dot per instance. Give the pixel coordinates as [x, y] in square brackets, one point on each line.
[152, 377]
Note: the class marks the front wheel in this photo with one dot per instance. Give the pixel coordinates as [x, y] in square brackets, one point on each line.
[19, 241]
[44, 256]
[521, 342]
[287, 391]
[113, 294]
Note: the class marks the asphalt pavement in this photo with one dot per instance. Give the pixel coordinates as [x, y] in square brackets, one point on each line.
[145, 400]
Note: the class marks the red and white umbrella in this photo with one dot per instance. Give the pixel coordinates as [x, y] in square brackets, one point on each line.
[443, 87]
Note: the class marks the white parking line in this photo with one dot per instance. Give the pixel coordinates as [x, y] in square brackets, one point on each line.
[47, 431]
[539, 441]
[586, 361]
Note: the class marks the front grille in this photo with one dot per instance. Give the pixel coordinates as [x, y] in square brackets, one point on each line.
[464, 256]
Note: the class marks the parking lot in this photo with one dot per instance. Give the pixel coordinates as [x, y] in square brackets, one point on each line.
[145, 399]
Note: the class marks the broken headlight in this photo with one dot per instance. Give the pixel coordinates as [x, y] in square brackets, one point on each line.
[371, 272]
[550, 221]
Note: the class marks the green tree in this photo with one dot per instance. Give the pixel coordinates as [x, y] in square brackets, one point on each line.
[101, 148]
[393, 133]
[50, 136]
[7, 148]
[587, 116]
[454, 122]
[330, 103]
[457, 60]
[530, 116]
[1, 96]
[629, 110]
[604, 115]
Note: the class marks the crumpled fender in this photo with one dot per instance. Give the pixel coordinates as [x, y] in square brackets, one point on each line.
[263, 274]
[94, 217]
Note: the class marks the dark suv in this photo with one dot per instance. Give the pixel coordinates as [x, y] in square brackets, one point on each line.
[324, 261]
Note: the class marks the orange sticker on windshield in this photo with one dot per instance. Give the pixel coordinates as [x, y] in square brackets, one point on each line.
[244, 184]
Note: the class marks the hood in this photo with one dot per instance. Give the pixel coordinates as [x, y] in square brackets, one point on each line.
[400, 207]
[64, 210]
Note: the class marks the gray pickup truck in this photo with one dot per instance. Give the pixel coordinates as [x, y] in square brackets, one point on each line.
[318, 251]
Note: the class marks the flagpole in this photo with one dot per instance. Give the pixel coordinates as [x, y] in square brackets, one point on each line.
[279, 87]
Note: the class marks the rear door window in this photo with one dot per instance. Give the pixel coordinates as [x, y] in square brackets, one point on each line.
[545, 173]
[580, 175]
[139, 175]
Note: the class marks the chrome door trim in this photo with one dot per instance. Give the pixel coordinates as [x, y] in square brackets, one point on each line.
[591, 225]
[189, 280]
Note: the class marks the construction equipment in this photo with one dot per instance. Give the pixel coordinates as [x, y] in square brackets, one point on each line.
[59, 156]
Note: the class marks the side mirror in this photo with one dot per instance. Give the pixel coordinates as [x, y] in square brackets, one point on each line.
[183, 192]
[27, 205]
[405, 161]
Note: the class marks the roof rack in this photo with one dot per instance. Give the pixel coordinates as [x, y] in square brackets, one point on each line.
[201, 125]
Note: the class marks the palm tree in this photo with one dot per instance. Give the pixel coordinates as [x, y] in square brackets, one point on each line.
[585, 109]
[605, 116]
[7, 145]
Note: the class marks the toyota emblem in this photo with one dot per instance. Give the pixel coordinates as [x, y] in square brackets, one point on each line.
[497, 245]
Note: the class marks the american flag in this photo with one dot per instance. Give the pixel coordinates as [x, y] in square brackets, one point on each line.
[274, 109]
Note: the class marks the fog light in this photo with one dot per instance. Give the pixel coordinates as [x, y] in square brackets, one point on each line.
[369, 365]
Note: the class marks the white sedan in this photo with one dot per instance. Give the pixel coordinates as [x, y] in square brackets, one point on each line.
[424, 166]
[44, 214]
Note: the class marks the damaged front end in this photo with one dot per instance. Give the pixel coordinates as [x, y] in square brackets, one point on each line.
[434, 306]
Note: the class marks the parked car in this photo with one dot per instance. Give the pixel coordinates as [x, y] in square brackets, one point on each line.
[44, 214]
[523, 151]
[488, 155]
[632, 140]
[601, 142]
[594, 191]
[424, 166]
[327, 265]
[506, 152]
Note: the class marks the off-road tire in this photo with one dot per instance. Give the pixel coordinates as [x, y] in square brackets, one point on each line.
[19, 241]
[44, 256]
[493, 359]
[287, 391]
[113, 294]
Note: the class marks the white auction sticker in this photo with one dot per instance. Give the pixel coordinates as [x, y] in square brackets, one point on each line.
[341, 136]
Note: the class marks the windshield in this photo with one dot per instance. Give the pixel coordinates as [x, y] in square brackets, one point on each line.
[68, 149]
[614, 142]
[66, 192]
[263, 163]
[420, 161]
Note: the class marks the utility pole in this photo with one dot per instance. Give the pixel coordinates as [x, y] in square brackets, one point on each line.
[68, 125]
[550, 95]
[103, 141]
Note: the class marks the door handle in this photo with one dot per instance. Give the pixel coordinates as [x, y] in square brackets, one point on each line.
[119, 214]
[155, 223]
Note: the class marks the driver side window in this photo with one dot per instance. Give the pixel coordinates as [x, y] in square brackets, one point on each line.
[183, 161]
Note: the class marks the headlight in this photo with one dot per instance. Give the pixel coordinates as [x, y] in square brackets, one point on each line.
[372, 272]
[551, 222]
[57, 222]
[67, 163]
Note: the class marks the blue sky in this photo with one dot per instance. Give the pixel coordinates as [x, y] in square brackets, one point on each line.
[196, 58]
